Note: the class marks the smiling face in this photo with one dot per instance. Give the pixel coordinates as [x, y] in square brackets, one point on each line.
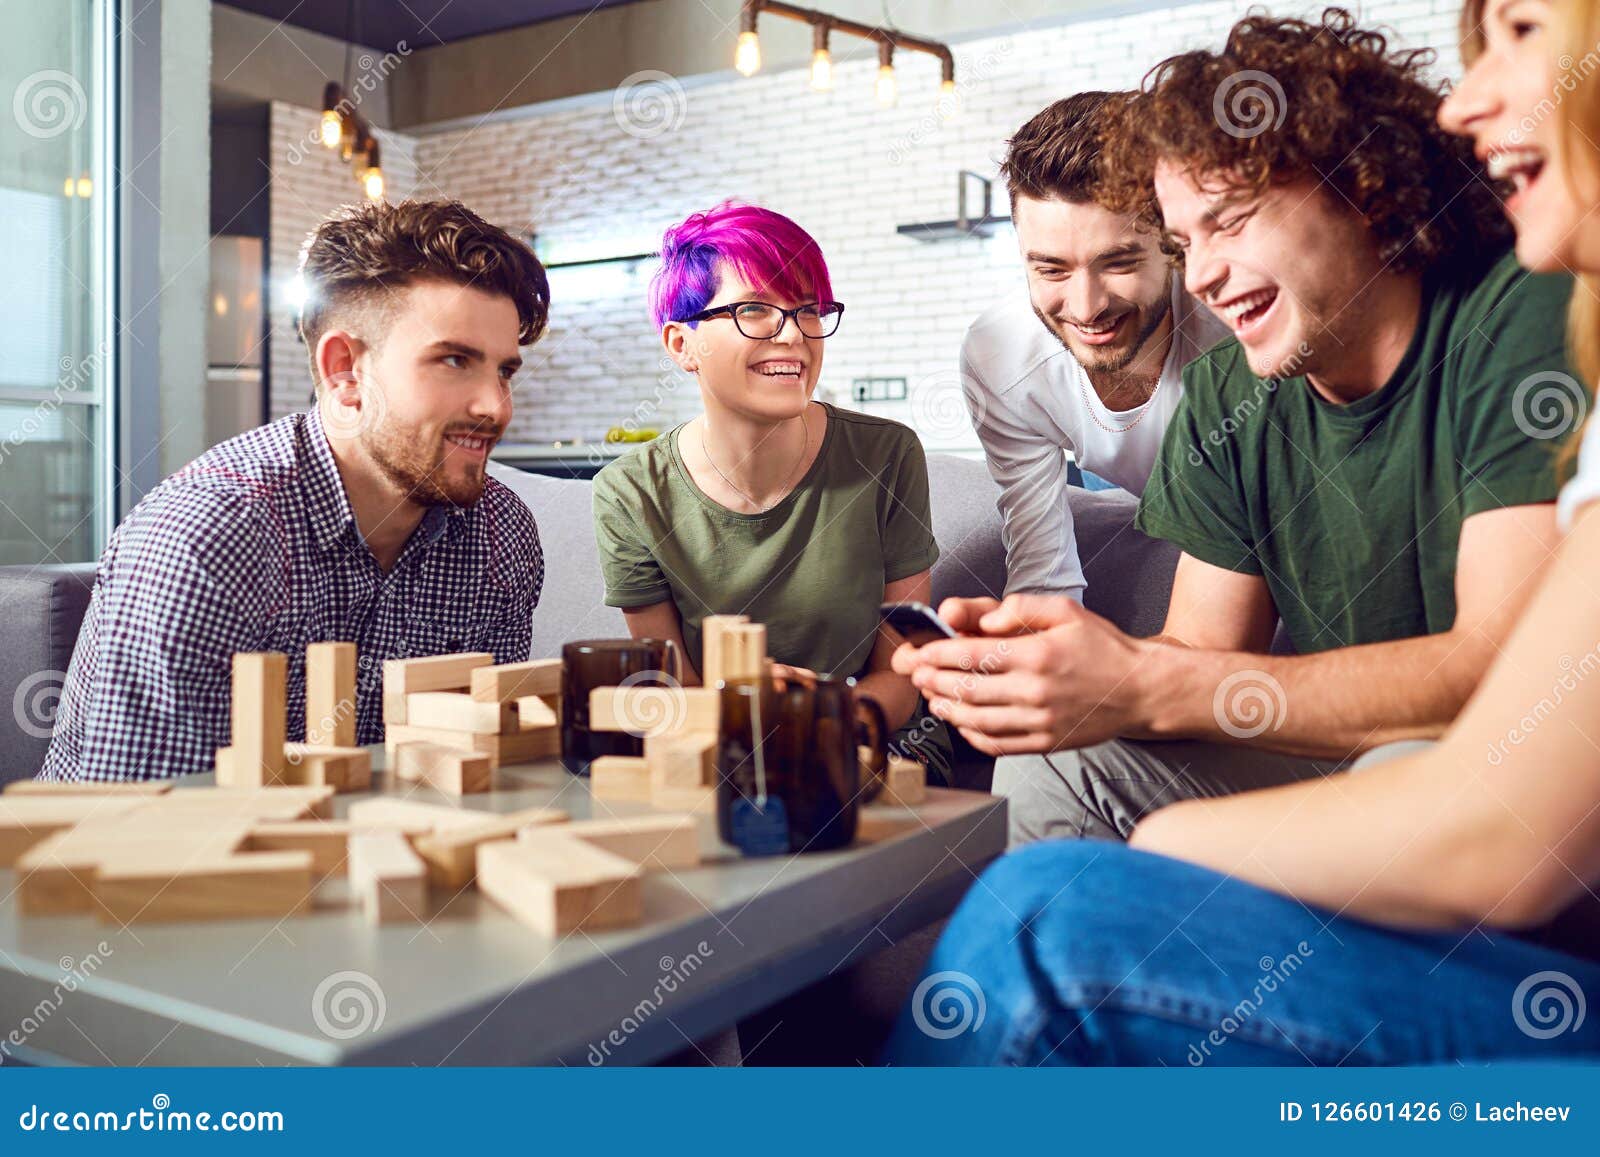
[1287, 270]
[768, 380]
[1101, 285]
[432, 398]
[1508, 104]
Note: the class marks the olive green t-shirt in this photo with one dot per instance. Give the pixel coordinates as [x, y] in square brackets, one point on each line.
[1352, 513]
[812, 569]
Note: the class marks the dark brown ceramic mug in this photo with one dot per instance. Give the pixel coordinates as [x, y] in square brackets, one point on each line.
[591, 663]
[790, 777]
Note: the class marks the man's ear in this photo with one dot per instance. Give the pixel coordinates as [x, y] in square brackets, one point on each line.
[680, 344]
[339, 383]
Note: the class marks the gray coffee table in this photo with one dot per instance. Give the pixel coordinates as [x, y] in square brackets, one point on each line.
[471, 986]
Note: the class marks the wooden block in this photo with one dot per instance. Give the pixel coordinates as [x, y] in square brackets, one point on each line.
[282, 802]
[445, 769]
[326, 840]
[26, 820]
[558, 885]
[410, 815]
[452, 852]
[652, 842]
[518, 747]
[702, 800]
[161, 885]
[652, 711]
[906, 782]
[458, 711]
[438, 673]
[744, 652]
[536, 711]
[57, 875]
[259, 722]
[682, 759]
[341, 768]
[711, 630]
[331, 694]
[516, 680]
[620, 777]
[87, 787]
[389, 878]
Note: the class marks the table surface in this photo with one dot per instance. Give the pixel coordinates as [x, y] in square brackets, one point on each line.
[470, 985]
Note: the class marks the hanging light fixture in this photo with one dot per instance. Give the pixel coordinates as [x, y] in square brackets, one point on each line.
[747, 54]
[332, 119]
[886, 85]
[821, 62]
[343, 128]
[372, 174]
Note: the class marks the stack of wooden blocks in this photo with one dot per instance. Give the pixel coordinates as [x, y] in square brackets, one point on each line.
[678, 771]
[329, 757]
[450, 720]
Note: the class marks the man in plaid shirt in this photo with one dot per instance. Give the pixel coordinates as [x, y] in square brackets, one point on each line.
[369, 518]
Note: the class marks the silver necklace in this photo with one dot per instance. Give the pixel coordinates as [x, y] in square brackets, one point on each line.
[1118, 429]
[804, 450]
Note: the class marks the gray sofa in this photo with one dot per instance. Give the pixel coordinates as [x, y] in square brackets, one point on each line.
[1130, 577]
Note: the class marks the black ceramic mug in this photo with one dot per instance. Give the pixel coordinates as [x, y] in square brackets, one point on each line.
[591, 663]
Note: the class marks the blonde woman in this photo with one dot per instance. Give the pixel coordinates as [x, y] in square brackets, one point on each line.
[1430, 909]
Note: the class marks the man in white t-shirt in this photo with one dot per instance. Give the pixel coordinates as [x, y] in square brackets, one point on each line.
[1089, 360]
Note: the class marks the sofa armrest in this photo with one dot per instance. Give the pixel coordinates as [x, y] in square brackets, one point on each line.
[41, 608]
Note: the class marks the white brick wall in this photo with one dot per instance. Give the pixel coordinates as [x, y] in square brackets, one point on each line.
[845, 169]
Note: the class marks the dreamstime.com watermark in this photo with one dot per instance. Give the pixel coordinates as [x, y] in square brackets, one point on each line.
[1274, 974]
[950, 103]
[1572, 673]
[674, 974]
[73, 974]
[947, 1004]
[1249, 103]
[1249, 703]
[1246, 408]
[159, 1118]
[348, 1004]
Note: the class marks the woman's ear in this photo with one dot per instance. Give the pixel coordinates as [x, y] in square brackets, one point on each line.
[678, 339]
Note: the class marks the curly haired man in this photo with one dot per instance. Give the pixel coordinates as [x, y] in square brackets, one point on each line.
[1346, 464]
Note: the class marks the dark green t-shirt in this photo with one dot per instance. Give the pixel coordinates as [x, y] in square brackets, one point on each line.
[812, 569]
[1352, 513]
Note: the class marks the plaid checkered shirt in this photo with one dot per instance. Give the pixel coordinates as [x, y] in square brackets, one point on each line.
[253, 547]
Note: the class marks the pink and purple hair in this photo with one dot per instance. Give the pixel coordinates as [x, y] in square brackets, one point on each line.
[767, 250]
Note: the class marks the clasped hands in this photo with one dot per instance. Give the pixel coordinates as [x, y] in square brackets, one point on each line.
[1034, 673]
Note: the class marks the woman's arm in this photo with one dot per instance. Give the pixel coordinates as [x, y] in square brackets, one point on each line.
[1499, 823]
[661, 621]
[894, 693]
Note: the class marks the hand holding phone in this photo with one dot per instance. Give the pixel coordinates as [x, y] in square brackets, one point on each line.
[916, 623]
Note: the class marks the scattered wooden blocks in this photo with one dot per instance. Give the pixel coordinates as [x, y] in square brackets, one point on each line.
[558, 884]
[652, 842]
[390, 879]
[445, 769]
[166, 885]
[651, 711]
[683, 799]
[401, 677]
[712, 628]
[341, 768]
[326, 840]
[905, 783]
[26, 820]
[331, 695]
[452, 852]
[411, 816]
[517, 747]
[74, 787]
[536, 711]
[259, 690]
[682, 759]
[510, 681]
[459, 711]
[620, 777]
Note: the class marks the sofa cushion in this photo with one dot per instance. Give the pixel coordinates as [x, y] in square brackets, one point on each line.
[41, 607]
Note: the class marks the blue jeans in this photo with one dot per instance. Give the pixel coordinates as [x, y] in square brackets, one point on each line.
[1081, 952]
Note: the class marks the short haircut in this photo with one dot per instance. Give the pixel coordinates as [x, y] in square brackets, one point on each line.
[1056, 155]
[768, 251]
[1321, 99]
[360, 257]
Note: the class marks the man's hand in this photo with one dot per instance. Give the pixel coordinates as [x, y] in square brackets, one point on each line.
[1036, 673]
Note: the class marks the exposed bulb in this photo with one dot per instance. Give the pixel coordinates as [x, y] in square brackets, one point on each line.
[821, 70]
[886, 86]
[747, 57]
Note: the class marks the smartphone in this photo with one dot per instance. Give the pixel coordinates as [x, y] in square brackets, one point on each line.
[916, 623]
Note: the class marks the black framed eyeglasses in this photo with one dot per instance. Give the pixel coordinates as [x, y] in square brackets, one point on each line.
[762, 322]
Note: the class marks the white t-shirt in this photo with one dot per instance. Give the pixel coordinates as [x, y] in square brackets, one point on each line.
[1584, 486]
[1030, 400]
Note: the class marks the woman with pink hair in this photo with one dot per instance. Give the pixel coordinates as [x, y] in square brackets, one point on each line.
[769, 504]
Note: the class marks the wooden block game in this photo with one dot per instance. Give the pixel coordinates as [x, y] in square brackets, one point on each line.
[86, 787]
[331, 695]
[259, 724]
[389, 878]
[652, 711]
[620, 777]
[558, 884]
[401, 677]
[446, 769]
[451, 852]
[511, 681]
[905, 783]
[166, 885]
[536, 711]
[682, 759]
[712, 628]
[653, 842]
